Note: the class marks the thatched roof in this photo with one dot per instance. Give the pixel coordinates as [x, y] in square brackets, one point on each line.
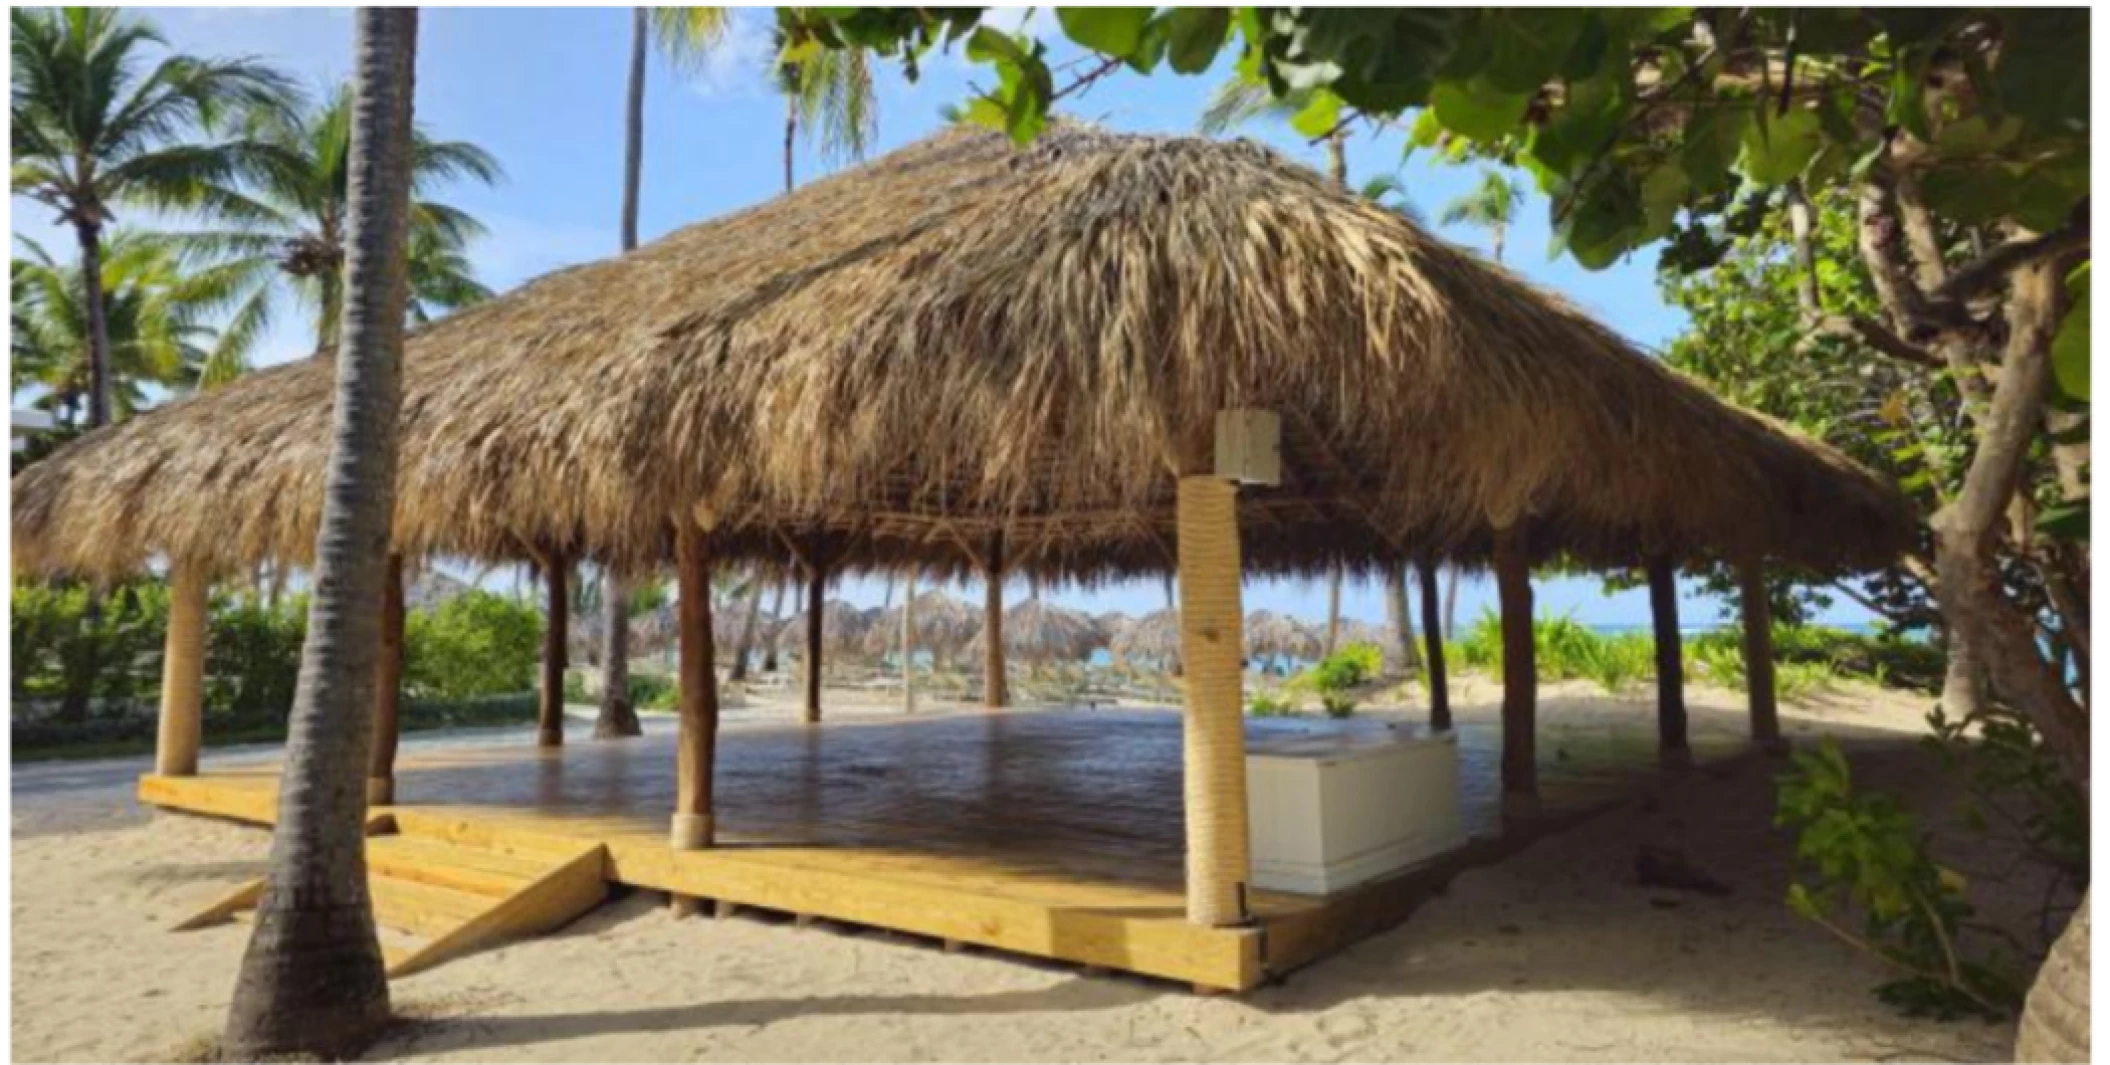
[1269, 633]
[844, 628]
[1154, 637]
[943, 625]
[1039, 631]
[962, 336]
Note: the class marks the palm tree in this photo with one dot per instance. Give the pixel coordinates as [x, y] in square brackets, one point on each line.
[155, 319]
[94, 128]
[684, 37]
[828, 98]
[311, 980]
[1493, 207]
[285, 231]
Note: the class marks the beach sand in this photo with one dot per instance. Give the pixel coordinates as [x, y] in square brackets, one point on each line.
[1554, 954]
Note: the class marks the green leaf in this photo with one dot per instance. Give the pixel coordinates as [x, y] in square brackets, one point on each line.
[2067, 521]
[2069, 349]
[1477, 110]
[1662, 193]
[1116, 31]
[1776, 151]
[1194, 36]
[1318, 117]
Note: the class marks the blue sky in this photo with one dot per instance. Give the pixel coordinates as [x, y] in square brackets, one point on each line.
[542, 89]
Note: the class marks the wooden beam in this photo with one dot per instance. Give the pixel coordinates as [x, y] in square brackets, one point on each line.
[181, 730]
[556, 642]
[388, 689]
[1520, 785]
[696, 750]
[816, 608]
[1758, 654]
[1432, 640]
[993, 693]
[1673, 747]
[1212, 647]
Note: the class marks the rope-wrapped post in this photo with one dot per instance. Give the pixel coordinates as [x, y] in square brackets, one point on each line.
[1212, 640]
[696, 746]
[181, 728]
[993, 625]
[1673, 747]
[388, 688]
[1520, 677]
[1432, 640]
[556, 651]
[1758, 654]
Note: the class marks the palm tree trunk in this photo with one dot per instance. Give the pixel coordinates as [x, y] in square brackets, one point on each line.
[1439, 684]
[1333, 611]
[311, 981]
[908, 646]
[1500, 237]
[769, 646]
[745, 646]
[1450, 604]
[90, 235]
[618, 718]
[1407, 655]
[2055, 1016]
[556, 653]
[791, 136]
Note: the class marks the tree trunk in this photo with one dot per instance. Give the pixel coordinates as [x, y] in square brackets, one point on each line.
[1450, 602]
[2055, 1017]
[745, 646]
[993, 680]
[1520, 678]
[617, 718]
[816, 618]
[791, 136]
[908, 646]
[1963, 683]
[1966, 532]
[90, 235]
[1432, 634]
[388, 689]
[1406, 654]
[556, 653]
[1758, 654]
[1333, 611]
[776, 614]
[634, 126]
[1673, 748]
[696, 754]
[311, 981]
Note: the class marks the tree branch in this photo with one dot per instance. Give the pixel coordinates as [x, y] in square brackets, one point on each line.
[1875, 335]
[1990, 270]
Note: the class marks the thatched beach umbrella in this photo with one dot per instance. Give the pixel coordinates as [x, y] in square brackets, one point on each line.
[1153, 638]
[942, 625]
[1270, 634]
[1039, 632]
[844, 629]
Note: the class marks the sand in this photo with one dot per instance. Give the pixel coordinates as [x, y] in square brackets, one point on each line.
[1554, 954]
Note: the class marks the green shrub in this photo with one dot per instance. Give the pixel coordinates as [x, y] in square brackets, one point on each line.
[650, 691]
[107, 664]
[1267, 704]
[513, 708]
[1863, 861]
[1338, 704]
[252, 659]
[1347, 667]
[474, 644]
[1480, 647]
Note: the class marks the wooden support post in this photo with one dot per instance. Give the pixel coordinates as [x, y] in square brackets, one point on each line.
[993, 682]
[816, 615]
[388, 688]
[1758, 655]
[183, 674]
[1673, 747]
[556, 642]
[1520, 677]
[908, 646]
[697, 744]
[1432, 638]
[1212, 642]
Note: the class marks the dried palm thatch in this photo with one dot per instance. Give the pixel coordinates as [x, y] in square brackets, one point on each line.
[943, 626]
[1038, 631]
[1154, 639]
[961, 337]
[1356, 630]
[844, 628]
[1270, 634]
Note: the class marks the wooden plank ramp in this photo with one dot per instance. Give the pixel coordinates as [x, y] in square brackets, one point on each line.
[440, 896]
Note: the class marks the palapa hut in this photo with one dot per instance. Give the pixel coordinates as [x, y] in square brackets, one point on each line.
[1040, 632]
[1273, 635]
[1153, 638]
[977, 359]
[941, 625]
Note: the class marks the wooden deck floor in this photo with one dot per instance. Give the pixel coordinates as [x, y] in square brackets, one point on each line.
[1050, 833]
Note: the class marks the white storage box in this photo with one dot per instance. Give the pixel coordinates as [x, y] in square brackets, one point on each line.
[1336, 804]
